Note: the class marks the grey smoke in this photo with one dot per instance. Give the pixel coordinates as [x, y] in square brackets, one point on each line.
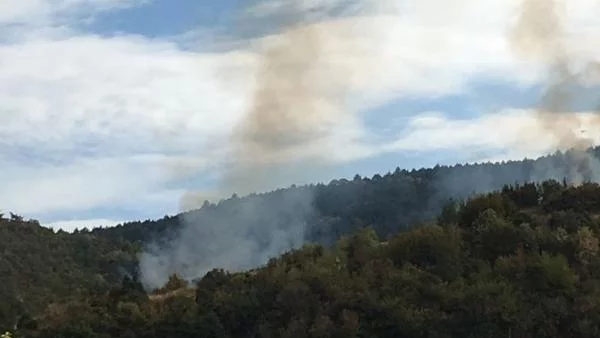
[300, 97]
[539, 35]
[239, 234]
[301, 89]
[306, 73]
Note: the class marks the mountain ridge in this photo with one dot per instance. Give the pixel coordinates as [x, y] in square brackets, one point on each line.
[92, 261]
[522, 261]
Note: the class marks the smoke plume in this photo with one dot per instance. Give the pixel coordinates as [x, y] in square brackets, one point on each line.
[539, 35]
[305, 75]
[306, 71]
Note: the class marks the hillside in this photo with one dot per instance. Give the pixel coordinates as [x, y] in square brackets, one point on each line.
[242, 232]
[39, 266]
[388, 202]
[521, 262]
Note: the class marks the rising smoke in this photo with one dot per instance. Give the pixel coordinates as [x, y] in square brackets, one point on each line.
[306, 72]
[540, 35]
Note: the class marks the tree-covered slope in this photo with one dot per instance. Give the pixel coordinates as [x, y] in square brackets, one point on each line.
[521, 262]
[39, 266]
[388, 203]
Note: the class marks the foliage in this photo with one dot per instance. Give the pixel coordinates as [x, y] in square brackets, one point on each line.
[484, 274]
[503, 257]
[39, 266]
[392, 202]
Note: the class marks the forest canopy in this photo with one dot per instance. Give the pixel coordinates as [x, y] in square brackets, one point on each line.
[394, 255]
[520, 262]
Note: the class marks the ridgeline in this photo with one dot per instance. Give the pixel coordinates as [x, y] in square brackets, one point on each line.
[438, 252]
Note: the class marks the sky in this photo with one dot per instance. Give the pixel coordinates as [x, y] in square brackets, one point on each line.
[114, 110]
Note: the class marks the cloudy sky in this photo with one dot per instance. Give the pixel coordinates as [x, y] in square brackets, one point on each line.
[113, 109]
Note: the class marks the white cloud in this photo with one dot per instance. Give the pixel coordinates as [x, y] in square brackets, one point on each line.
[514, 132]
[82, 184]
[46, 12]
[72, 225]
[110, 90]
[119, 98]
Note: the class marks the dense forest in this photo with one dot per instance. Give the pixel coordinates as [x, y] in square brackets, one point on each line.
[521, 262]
[241, 232]
[39, 266]
[462, 251]
[388, 202]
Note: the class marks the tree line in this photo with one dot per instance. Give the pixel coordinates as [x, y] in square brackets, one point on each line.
[45, 274]
[520, 262]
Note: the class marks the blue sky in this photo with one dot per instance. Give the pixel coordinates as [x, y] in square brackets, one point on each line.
[164, 18]
[115, 110]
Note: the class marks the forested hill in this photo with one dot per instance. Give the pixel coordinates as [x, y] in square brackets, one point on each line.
[39, 266]
[523, 262]
[388, 203]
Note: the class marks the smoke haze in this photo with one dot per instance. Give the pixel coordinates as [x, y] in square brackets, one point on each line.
[238, 234]
[539, 35]
[307, 74]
